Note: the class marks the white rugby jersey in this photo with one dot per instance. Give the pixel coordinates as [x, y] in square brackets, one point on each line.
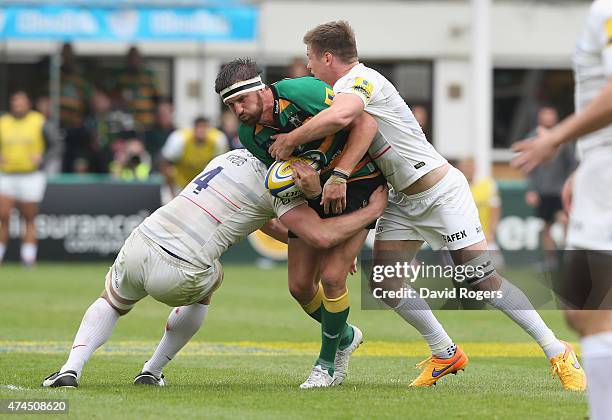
[221, 206]
[397, 127]
[593, 67]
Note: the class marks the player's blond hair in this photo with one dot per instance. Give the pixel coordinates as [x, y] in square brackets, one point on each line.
[335, 37]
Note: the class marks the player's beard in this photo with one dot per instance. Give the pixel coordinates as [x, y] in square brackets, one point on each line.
[252, 119]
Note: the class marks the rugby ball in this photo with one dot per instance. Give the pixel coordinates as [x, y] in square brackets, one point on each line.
[279, 178]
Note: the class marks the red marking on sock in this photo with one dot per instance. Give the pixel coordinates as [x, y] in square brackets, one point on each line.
[177, 311]
[78, 345]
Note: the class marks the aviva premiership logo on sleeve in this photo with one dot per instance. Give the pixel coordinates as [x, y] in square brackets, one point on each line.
[329, 96]
[363, 87]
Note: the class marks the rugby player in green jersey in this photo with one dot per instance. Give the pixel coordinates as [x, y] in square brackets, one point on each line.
[279, 108]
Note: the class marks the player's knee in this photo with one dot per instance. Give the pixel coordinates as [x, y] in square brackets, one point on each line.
[333, 277]
[302, 293]
[120, 311]
[492, 282]
[479, 273]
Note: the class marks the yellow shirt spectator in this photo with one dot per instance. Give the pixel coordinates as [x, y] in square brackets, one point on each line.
[487, 201]
[189, 154]
[22, 142]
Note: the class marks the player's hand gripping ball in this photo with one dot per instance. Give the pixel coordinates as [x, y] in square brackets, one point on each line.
[279, 179]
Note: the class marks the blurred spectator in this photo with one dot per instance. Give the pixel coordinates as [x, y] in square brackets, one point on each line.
[545, 183]
[132, 162]
[74, 91]
[188, 151]
[74, 94]
[298, 68]
[22, 147]
[229, 126]
[54, 142]
[106, 127]
[156, 136]
[488, 202]
[78, 147]
[137, 90]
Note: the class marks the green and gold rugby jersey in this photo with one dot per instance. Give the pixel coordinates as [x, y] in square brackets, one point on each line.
[295, 101]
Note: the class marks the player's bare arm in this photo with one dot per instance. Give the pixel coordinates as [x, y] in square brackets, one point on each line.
[327, 233]
[363, 129]
[275, 229]
[597, 115]
[342, 112]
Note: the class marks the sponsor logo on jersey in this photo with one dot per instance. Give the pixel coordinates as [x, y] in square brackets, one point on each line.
[115, 277]
[295, 120]
[419, 165]
[454, 236]
[236, 160]
[363, 87]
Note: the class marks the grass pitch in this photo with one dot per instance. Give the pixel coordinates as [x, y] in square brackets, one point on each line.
[256, 347]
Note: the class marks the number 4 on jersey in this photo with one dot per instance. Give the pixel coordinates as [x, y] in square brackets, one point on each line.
[202, 181]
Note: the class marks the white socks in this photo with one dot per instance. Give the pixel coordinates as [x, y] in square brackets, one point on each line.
[182, 324]
[517, 307]
[28, 253]
[514, 304]
[417, 313]
[100, 319]
[597, 363]
[96, 327]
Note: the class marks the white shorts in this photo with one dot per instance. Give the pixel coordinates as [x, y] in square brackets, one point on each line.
[445, 216]
[397, 169]
[25, 188]
[590, 221]
[143, 268]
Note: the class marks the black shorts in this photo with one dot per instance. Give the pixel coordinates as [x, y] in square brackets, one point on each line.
[549, 206]
[357, 196]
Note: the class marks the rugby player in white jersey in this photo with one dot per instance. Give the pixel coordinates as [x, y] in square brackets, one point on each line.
[173, 255]
[588, 196]
[430, 201]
